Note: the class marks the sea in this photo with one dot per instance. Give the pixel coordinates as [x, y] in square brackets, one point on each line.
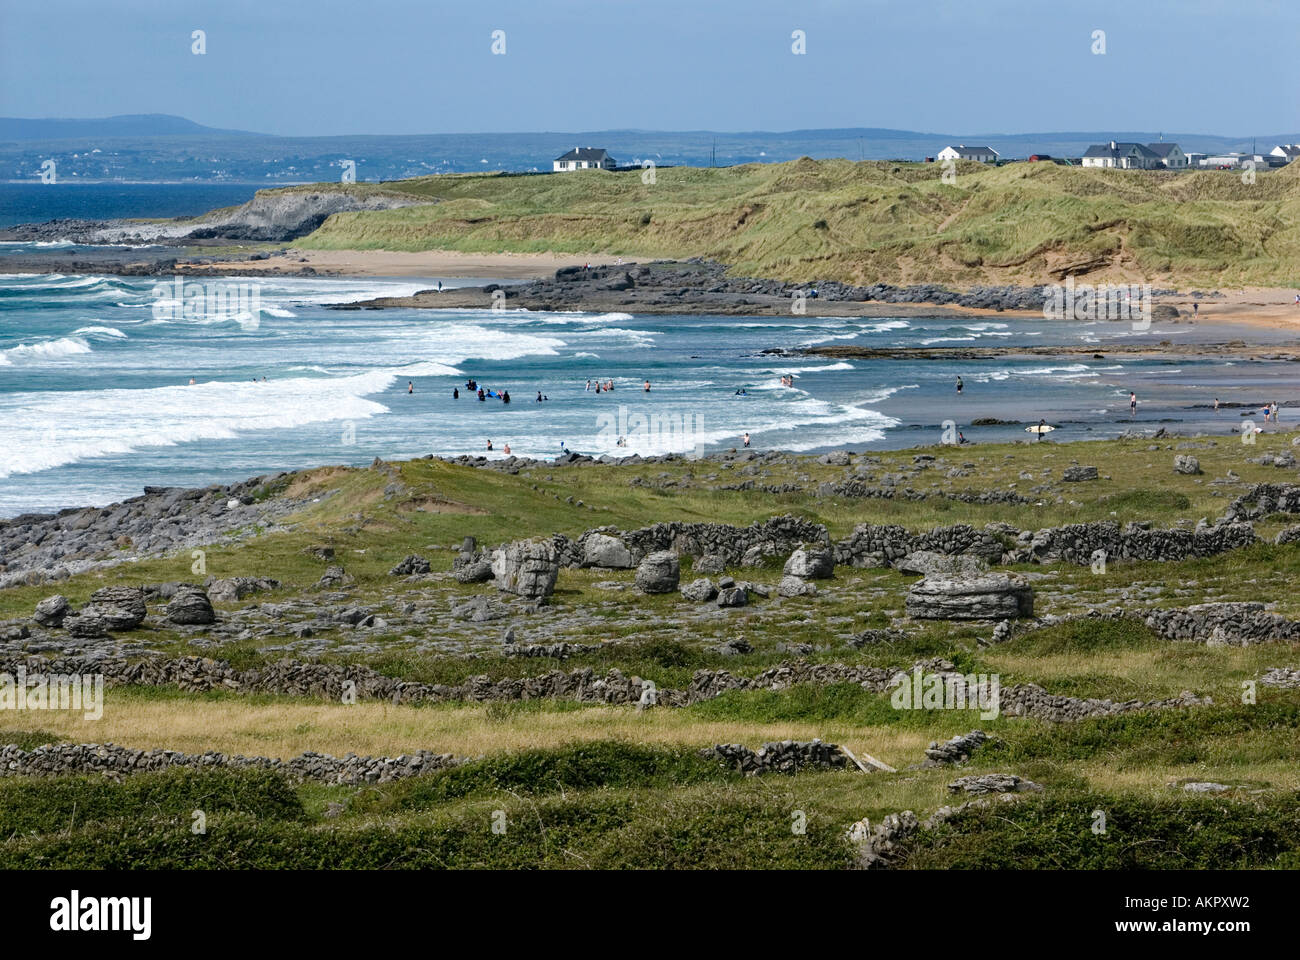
[109, 384]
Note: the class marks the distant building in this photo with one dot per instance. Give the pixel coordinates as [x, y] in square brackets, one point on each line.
[1286, 152]
[1225, 161]
[1037, 157]
[963, 152]
[1122, 156]
[1169, 154]
[1195, 159]
[584, 158]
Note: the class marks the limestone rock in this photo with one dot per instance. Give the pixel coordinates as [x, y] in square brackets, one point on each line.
[190, 607]
[700, 591]
[990, 597]
[792, 586]
[1186, 463]
[660, 572]
[411, 565]
[1078, 474]
[528, 568]
[51, 611]
[611, 553]
[810, 562]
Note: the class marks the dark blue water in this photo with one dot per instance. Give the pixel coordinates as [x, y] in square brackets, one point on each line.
[37, 202]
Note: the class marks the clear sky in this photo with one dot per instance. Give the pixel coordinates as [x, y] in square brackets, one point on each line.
[318, 67]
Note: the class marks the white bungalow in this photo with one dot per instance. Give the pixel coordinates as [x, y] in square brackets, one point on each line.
[963, 152]
[584, 158]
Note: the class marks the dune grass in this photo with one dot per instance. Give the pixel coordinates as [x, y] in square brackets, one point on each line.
[868, 222]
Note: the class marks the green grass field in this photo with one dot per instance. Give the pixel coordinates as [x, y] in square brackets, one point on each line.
[583, 785]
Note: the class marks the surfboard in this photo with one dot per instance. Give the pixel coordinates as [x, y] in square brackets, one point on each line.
[1043, 429]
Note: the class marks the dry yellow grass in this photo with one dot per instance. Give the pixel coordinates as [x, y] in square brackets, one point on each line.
[285, 729]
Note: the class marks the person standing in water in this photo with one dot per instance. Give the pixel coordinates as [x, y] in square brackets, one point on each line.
[1216, 404]
[455, 393]
[960, 385]
[745, 438]
[647, 386]
[1132, 404]
[506, 449]
[489, 446]
[410, 387]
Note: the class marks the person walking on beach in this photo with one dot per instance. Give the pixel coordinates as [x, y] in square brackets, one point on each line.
[1132, 404]
[960, 385]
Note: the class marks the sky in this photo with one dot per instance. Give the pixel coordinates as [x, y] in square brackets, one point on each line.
[328, 67]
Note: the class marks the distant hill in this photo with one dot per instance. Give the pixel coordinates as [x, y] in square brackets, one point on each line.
[161, 148]
[127, 125]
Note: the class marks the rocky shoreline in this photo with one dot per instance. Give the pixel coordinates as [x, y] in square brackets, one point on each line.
[703, 286]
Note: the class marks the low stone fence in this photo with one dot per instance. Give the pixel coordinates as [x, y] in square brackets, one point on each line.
[115, 761]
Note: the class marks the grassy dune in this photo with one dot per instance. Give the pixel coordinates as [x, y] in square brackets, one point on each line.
[869, 222]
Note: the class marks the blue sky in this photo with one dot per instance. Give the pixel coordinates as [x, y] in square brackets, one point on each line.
[425, 66]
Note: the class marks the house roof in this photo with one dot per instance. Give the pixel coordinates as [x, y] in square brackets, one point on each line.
[966, 151]
[590, 154]
[1288, 149]
[1162, 149]
[1121, 149]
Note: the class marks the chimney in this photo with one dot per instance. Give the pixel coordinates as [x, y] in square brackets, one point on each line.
[1112, 144]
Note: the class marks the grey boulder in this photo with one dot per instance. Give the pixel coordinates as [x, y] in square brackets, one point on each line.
[659, 572]
[990, 597]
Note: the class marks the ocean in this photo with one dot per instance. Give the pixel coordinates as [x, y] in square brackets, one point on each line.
[96, 399]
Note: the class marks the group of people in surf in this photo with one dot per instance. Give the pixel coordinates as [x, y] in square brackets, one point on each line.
[475, 389]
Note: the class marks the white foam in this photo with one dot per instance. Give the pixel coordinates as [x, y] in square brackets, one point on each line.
[53, 429]
[45, 350]
[105, 331]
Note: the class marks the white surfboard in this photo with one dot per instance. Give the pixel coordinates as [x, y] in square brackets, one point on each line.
[1045, 428]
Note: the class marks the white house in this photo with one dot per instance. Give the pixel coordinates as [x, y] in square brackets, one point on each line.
[1287, 152]
[584, 158]
[1122, 156]
[963, 152]
[1170, 155]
